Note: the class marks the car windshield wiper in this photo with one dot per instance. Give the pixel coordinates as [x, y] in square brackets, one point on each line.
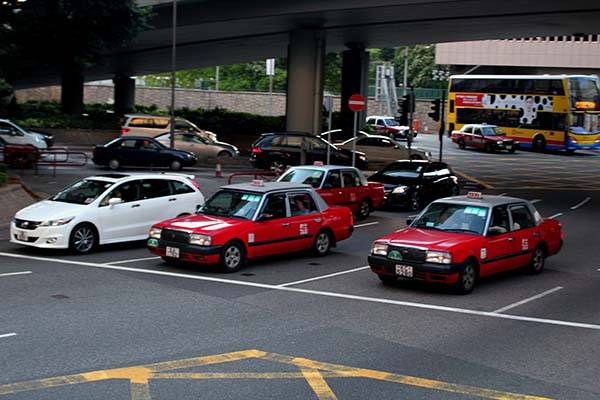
[461, 230]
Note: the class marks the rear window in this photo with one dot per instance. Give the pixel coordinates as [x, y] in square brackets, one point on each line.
[270, 140]
[153, 188]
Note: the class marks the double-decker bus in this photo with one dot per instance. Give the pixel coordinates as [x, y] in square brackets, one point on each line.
[542, 112]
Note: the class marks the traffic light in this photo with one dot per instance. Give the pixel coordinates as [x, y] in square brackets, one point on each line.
[407, 106]
[436, 109]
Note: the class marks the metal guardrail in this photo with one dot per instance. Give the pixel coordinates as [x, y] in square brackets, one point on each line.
[60, 156]
[255, 174]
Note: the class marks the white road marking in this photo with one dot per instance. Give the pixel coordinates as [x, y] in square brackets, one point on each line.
[15, 273]
[134, 260]
[314, 292]
[535, 201]
[583, 203]
[366, 224]
[7, 335]
[323, 277]
[555, 215]
[527, 300]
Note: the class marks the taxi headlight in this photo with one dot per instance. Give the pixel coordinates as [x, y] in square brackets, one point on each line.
[499, 142]
[439, 257]
[379, 249]
[57, 222]
[155, 233]
[200, 240]
[399, 190]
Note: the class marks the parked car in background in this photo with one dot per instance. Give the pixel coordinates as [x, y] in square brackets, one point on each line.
[104, 209]
[340, 186]
[275, 151]
[154, 125]
[388, 126]
[413, 184]
[199, 145]
[15, 134]
[383, 149]
[246, 221]
[484, 137]
[141, 152]
[18, 155]
[457, 240]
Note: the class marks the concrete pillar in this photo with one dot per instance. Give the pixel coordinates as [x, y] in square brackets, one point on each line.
[304, 100]
[124, 94]
[355, 79]
[71, 97]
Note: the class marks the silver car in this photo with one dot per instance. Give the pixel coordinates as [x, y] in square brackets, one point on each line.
[383, 149]
[199, 145]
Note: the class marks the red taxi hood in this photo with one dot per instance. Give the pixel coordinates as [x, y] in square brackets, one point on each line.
[496, 138]
[205, 224]
[429, 238]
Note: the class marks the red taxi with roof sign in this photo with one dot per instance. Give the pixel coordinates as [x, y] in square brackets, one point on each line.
[457, 240]
[249, 220]
[339, 185]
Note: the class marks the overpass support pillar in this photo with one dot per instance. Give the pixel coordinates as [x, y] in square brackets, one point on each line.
[304, 100]
[355, 79]
[124, 94]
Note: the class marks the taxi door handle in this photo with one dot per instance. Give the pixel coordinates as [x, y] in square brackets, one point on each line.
[339, 192]
[173, 199]
[135, 205]
[536, 234]
[511, 239]
[286, 224]
[317, 219]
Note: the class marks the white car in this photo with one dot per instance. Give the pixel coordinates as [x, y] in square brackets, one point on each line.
[14, 134]
[105, 209]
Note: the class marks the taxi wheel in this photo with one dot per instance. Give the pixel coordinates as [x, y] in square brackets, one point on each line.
[83, 239]
[461, 144]
[322, 243]
[233, 257]
[512, 151]
[467, 278]
[387, 279]
[537, 261]
[364, 209]
[489, 148]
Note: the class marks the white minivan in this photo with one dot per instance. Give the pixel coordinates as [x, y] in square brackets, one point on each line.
[104, 209]
[14, 134]
[154, 125]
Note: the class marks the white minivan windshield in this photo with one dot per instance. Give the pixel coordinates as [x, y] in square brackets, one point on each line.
[82, 192]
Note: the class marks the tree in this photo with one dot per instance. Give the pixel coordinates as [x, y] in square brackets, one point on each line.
[421, 63]
[69, 36]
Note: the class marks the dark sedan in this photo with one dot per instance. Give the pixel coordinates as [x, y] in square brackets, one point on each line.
[141, 151]
[414, 184]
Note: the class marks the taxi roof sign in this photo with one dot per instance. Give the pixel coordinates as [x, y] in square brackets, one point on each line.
[318, 163]
[258, 182]
[474, 195]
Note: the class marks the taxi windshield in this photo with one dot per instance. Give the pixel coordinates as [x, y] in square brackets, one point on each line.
[391, 122]
[232, 204]
[311, 177]
[459, 218]
[491, 131]
[82, 192]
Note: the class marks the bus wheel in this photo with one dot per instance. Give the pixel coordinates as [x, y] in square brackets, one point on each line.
[539, 144]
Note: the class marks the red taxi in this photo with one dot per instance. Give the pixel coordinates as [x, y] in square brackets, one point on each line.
[457, 240]
[245, 221]
[340, 186]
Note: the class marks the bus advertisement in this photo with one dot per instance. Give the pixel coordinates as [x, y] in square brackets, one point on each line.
[542, 112]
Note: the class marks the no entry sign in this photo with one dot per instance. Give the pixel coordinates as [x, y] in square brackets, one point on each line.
[356, 102]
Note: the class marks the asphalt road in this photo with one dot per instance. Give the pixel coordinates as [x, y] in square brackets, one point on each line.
[120, 324]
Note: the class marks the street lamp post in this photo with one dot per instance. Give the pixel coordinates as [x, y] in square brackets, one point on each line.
[173, 76]
[442, 76]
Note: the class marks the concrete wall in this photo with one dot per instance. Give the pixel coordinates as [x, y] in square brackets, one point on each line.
[251, 102]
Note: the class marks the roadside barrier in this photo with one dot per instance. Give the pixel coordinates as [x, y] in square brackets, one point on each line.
[62, 157]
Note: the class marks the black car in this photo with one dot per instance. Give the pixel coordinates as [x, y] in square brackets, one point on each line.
[141, 151]
[414, 184]
[276, 150]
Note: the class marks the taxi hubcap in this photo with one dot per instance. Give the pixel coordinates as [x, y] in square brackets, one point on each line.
[538, 259]
[232, 257]
[468, 277]
[322, 243]
[364, 209]
[84, 240]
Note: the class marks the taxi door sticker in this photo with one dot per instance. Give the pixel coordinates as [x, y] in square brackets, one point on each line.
[352, 196]
[303, 229]
[251, 238]
[483, 253]
[524, 244]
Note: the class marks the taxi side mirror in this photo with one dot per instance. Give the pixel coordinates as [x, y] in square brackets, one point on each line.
[264, 217]
[409, 220]
[327, 186]
[496, 230]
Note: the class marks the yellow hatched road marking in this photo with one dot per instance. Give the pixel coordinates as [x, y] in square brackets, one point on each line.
[314, 372]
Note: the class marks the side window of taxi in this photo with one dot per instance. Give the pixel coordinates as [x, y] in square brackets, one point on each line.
[500, 222]
[350, 179]
[468, 129]
[521, 217]
[333, 180]
[301, 204]
[127, 192]
[275, 206]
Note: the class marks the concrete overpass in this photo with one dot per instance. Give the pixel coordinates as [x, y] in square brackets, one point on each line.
[214, 32]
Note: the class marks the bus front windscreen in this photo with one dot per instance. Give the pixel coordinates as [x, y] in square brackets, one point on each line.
[585, 94]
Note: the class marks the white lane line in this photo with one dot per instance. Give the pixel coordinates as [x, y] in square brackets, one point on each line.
[535, 201]
[7, 335]
[323, 277]
[527, 300]
[366, 224]
[583, 203]
[555, 215]
[15, 273]
[314, 292]
[134, 260]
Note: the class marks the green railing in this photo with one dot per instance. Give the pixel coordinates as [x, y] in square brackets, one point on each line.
[420, 93]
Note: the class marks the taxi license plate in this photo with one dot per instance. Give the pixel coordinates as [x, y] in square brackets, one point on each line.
[172, 252]
[22, 236]
[404, 270]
